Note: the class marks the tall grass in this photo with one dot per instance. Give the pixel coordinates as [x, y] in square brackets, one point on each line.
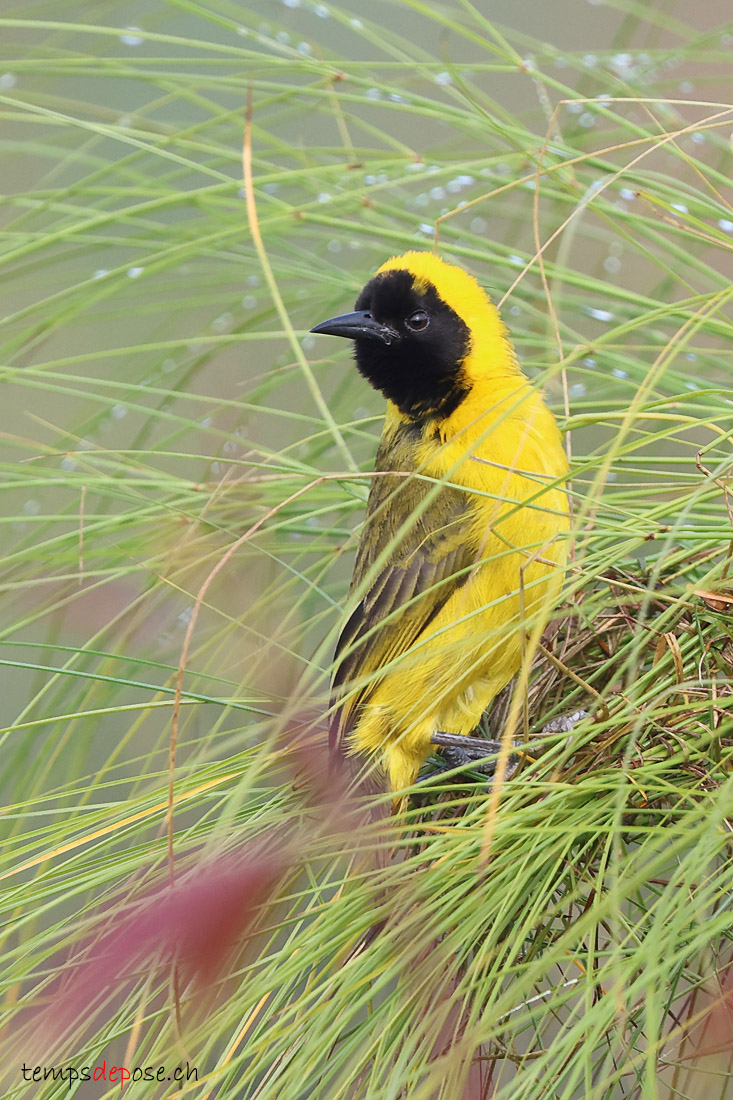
[182, 495]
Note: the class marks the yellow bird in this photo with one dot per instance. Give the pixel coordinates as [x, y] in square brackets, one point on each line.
[464, 546]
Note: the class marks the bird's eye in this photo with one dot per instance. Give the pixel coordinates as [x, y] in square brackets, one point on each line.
[418, 320]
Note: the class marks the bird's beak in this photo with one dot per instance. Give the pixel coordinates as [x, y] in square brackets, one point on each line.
[357, 326]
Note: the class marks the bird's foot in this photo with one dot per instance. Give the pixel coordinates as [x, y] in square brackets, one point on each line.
[565, 723]
[461, 751]
[458, 751]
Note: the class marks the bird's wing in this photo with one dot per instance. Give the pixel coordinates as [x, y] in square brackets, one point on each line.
[428, 553]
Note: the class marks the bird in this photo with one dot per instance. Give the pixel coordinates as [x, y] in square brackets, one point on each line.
[464, 546]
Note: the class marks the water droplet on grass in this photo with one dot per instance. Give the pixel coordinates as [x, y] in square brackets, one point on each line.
[134, 272]
[622, 62]
[132, 37]
[598, 314]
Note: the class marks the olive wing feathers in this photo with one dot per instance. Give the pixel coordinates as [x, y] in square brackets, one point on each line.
[415, 550]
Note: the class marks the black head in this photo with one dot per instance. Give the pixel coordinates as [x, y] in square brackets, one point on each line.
[409, 344]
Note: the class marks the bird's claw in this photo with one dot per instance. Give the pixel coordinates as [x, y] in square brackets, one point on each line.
[459, 751]
[565, 723]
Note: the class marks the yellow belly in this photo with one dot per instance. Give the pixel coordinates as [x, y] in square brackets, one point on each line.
[513, 467]
[448, 678]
